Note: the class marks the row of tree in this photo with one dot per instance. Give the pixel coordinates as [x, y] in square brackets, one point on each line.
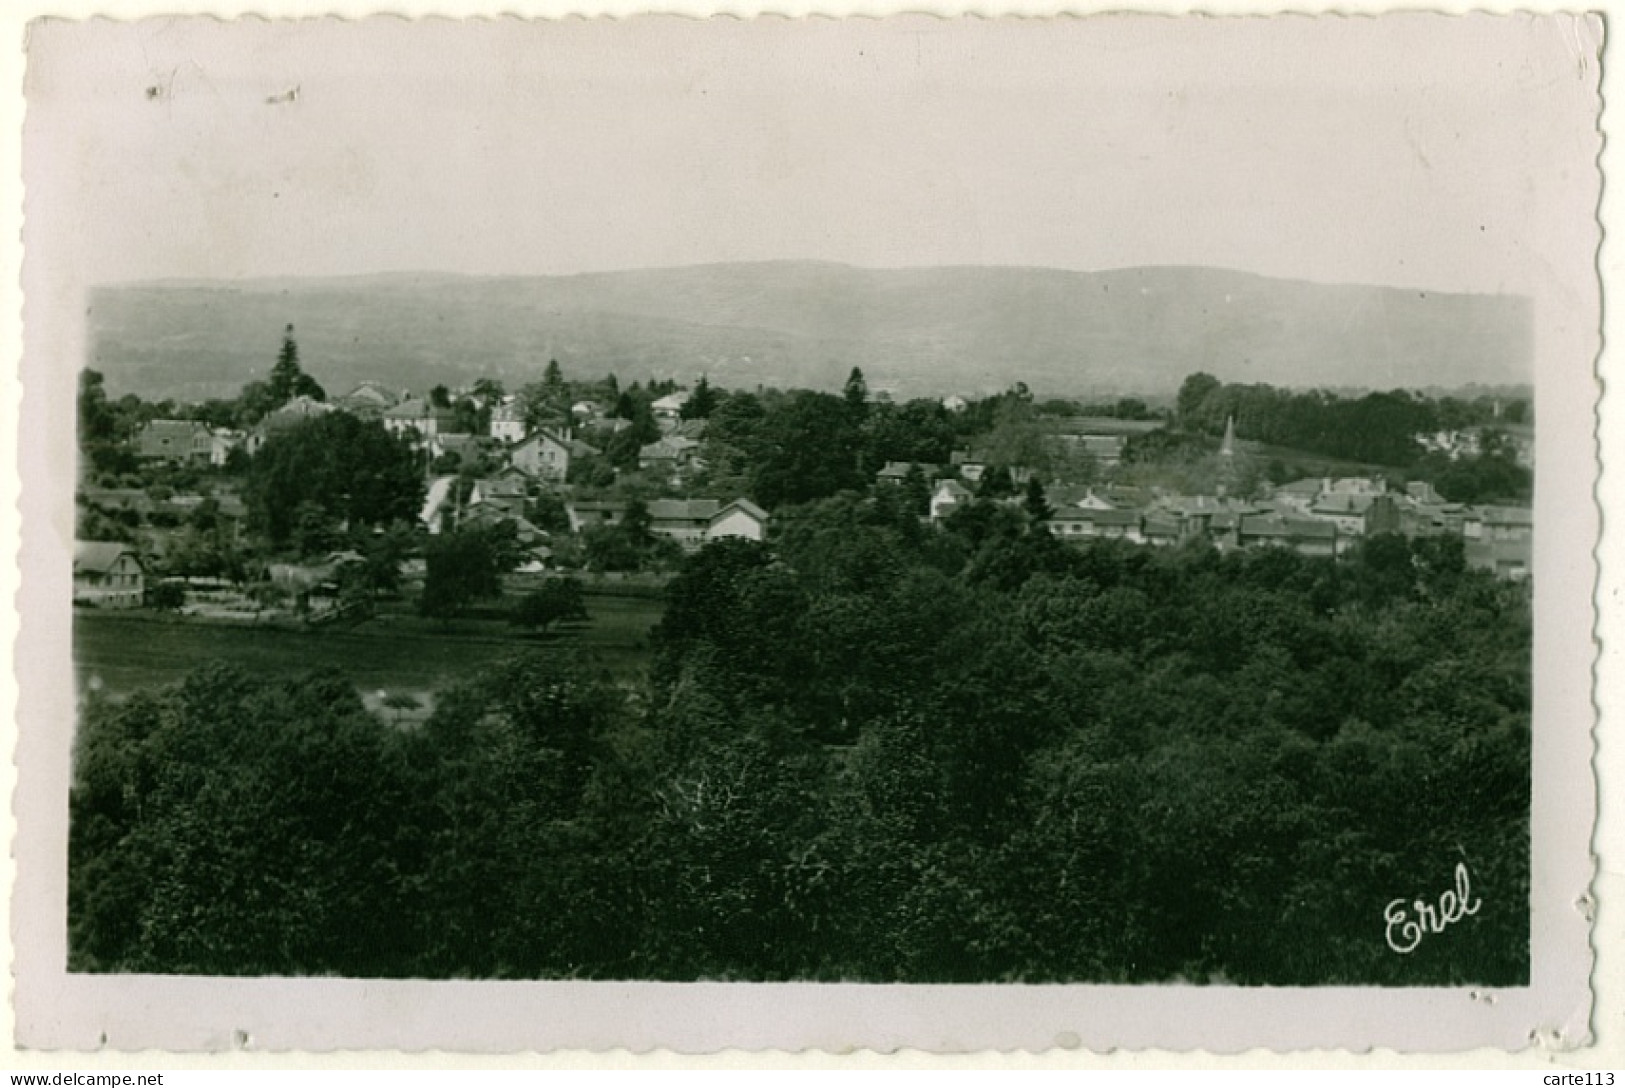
[868, 752]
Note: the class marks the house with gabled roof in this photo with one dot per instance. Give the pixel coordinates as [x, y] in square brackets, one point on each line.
[1345, 509]
[668, 455]
[682, 520]
[174, 440]
[740, 518]
[895, 472]
[668, 410]
[1307, 536]
[1074, 523]
[1506, 522]
[1509, 559]
[368, 400]
[419, 420]
[107, 574]
[591, 513]
[949, 495]
[504, 491]
[544, 454]
[1300, 494]
[508, 422]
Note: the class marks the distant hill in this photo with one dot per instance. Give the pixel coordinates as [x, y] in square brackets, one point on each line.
[916, 332]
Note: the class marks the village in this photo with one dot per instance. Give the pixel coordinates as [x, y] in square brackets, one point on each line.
[587, 481]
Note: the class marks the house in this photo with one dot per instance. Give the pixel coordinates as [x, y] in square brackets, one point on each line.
[669, 455]
[1079, 524]
[221, 442]
[419, 420]
[969, 466]
[1300, 494]
[468, 447]
[107, 575]
[683, 520]
[588, 514]
[1429, 519]
[175, 440]
[1345, 509]
[1423, 492]
[300, 409]
[949, 496]
[895, 472]
[1307, 536]
[368, 400]
[1355, 485]
[490, 515]
[955, 403]
[1509, 559]
[508, 422]
[544, 455]
[1505, 523]
[504, 491]
[740, 518]
[1161, 529]
[668, 410]
[1383, 516]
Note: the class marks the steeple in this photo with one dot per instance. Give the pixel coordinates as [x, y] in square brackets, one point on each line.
[1227, 448]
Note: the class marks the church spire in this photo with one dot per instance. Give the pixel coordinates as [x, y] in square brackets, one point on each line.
[1227, 448]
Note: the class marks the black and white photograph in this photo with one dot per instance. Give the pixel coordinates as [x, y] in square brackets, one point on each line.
[854, 512]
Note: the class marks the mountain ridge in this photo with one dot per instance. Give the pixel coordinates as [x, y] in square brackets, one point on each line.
[917, 331]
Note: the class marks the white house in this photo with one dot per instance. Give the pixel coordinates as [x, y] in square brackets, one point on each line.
[668, 410]
[740, 518]
[508, 422]
[949, 496]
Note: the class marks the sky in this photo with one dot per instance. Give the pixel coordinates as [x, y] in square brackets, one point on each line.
[1441, 153]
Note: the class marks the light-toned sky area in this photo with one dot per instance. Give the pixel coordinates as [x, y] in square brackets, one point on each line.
[1420, 151]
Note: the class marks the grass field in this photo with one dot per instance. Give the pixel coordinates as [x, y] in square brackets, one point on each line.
[124, 652]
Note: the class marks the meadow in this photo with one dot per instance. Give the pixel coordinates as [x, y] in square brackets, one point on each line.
[119, 653]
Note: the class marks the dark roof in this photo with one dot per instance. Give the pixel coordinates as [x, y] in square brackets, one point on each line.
[1292, 528]
[683, 509]
[744, 505]
[100, 555]
[1507, 515]
[174, 428]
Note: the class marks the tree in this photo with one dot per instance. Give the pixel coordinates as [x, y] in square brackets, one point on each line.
[1194, 392]
[701, 402]
[96, 419]
[355, 472]
[166, 596]
[996, 483]
[916, 492]
[440, 397]
[856, 392]
[806, 449]
[466, 566]
[287, 379]
[558, 601]
[553, 376]
[1034, 502]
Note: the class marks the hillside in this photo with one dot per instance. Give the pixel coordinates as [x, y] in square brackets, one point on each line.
[914, 331]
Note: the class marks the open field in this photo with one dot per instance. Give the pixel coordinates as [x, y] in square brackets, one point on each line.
[124, 652]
